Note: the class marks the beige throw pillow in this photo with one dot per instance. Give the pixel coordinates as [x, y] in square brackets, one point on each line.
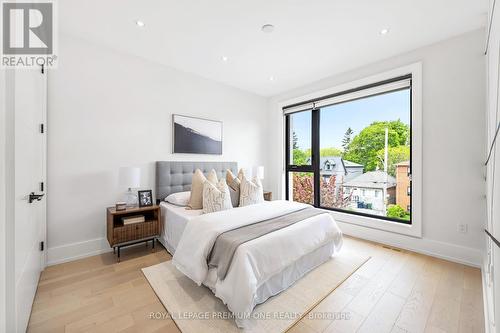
[234, 188]
[229, 177]
[196, 198]
[216, 197]
[212, 176]
[251, 192]
[241, 174]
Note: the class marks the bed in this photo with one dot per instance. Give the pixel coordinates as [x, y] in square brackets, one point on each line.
[261, 267]
[173, 177]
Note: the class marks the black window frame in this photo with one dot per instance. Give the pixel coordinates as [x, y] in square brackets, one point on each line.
[315, 167]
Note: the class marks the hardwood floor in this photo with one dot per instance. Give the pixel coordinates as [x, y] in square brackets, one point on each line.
[395, 291]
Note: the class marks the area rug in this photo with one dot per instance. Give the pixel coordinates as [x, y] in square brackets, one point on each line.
[196, 309]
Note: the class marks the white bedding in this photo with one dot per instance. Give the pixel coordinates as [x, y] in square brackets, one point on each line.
[174, 219]
[256, 261]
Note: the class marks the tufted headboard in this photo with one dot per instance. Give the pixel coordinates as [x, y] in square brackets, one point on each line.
[172, 177]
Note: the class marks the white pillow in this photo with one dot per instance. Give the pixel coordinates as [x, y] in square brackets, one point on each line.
[241, 174]
[251, 192]
[216, 197]
[179, 198]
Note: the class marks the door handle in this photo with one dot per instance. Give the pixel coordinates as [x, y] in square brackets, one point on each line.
[32, 197]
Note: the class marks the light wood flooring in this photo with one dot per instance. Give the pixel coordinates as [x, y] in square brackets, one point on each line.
[395, 291]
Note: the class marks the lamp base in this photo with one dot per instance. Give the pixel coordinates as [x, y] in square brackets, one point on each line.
[131, 199]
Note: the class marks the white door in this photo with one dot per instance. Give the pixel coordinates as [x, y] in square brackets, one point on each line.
[29, 157]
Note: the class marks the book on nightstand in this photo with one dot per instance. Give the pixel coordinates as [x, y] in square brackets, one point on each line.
[133, 219]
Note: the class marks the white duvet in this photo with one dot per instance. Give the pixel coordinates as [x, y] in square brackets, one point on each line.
[255, 261]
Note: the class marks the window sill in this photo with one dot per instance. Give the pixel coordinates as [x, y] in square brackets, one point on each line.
[371, 222]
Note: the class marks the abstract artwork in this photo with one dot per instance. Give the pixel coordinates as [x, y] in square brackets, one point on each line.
[196, 135]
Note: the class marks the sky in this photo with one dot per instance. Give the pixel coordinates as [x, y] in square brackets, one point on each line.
[356, 114]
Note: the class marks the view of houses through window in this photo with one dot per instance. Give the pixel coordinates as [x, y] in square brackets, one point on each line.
[364, 163]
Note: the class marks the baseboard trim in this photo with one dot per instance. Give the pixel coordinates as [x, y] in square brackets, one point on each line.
[74, 251]
[456, 253]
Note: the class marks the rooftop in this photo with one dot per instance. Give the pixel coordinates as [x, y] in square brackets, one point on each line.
[372, 179]
[352, 164]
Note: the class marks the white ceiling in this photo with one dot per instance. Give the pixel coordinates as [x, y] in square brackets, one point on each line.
[313, 39]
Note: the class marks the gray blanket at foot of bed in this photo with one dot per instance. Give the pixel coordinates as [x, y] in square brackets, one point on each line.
[227, 242]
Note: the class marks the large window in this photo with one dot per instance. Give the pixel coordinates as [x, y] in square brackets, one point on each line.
[351, 152]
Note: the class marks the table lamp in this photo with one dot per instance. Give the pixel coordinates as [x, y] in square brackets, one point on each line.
[130, 178]
[259, 172]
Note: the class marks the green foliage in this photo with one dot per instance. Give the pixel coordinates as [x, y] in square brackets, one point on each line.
[395, 155]
[331, 151]
[396, 211]
[300, 157]
[364, 147]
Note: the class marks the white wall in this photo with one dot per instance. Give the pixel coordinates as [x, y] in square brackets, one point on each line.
[107, 109]
[3, 202]
[491, 265]
[453, 146]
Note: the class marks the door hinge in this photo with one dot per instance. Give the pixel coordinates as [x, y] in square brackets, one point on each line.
[42, 128]
[42, 245]
[42, 186]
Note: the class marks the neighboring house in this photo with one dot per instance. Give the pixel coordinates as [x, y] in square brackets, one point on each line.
[353, 169]
[403, 188]
[332, 166]
[367, 191]
[337, 166]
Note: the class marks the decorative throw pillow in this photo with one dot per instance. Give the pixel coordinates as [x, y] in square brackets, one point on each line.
[251, 192]
[241, 174]
[216, 197]
[179, 198]
[212, 176]
[196, 198]
[234, 188]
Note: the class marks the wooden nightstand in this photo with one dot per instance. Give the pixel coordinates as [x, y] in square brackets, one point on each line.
[120, 235]
[268, 195]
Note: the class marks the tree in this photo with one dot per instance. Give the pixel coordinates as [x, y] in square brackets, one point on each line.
[300, 157]
[331, 151]
[364, 147]
[295, 141]
[303, 187]
[347, 138]
[332, 193]
[395, 155]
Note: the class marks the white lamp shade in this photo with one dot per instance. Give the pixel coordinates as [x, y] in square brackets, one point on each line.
[247, 172]
[130, 177]
[259, 172]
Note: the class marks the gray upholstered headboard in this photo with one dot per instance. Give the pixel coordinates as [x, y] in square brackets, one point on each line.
[176, 176]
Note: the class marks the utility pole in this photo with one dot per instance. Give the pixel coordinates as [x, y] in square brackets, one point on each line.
[386, 153]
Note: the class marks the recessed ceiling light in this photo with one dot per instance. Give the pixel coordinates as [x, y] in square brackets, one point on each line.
[140, 23]
[384, 31]
[267, 28]
[224, 58]
[271, 78]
